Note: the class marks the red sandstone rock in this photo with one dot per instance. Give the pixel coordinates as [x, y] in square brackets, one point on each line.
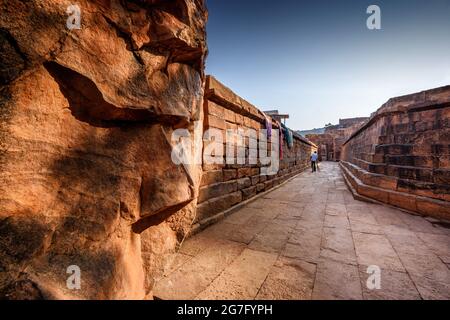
[86, 118]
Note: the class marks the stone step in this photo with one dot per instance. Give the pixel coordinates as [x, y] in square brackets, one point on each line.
[397, 138]
[422, 174]
[394, 149]
[372, 157]
[415, 127]
[442, 135]
[418, 160]
[437, 188]
[424, 205]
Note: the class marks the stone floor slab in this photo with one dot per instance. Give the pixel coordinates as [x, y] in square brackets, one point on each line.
[336, 222]
[241, 280]
[337, 245]
[272, 239]
[196, 274]
[289, 279]
[372, 249]
[439, 244]
[337, 281]
[393, 285]
[357, 226]
[432, 289]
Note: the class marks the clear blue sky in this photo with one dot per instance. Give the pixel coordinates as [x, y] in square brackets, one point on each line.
[317, 61]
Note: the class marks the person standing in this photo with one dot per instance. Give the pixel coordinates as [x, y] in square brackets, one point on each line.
[314, 160]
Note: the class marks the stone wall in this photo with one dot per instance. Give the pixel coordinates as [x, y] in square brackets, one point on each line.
[330, 143]
[342, 132]
[401, 156]
[86, 116]
[325, 145]
[226, 185]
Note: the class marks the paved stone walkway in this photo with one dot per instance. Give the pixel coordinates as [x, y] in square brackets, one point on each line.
[310, 239]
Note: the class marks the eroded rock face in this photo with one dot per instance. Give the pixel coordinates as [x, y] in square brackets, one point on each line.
[86, 118]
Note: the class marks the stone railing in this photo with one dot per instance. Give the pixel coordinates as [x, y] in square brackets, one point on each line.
[401, 156]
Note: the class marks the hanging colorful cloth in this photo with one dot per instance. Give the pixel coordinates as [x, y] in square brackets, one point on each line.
[268, 127]
[281, 143]
[288, 136]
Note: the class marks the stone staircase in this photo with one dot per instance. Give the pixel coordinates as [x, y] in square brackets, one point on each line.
[402, 157]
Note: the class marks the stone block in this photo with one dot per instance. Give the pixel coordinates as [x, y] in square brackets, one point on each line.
[211, 108]
[229, 115]
[373, 193]
[260, 187]
[214, 122]
[244, 172]
[433, 208]
[248, 193]
[217, 190]
[268, 185]
[212, 207]
[229, 174]
[244, 183]
[211, 177]
[402, 200]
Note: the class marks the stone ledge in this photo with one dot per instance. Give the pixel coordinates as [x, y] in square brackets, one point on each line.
[404, 201]
[396, 183]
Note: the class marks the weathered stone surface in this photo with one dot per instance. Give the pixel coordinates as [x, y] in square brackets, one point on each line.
[244, 183]
[86, 118]
[439, 244]
[211, 207]
[394, 286]
[242, 279]
[255, 180]
[337, 281]
[337, 244]
[211, 177]
[304, 243]
[272, 239]
[229, 174]
[249, 193]
[376, 250]
[194, 276]
[289, 279]
[244, 172]
[217, 190]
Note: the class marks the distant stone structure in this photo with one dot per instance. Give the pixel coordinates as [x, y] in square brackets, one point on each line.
[401, 156]
[330, 142]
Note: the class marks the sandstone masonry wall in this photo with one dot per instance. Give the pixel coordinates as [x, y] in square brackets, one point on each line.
[401, 156]
[224, 186]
